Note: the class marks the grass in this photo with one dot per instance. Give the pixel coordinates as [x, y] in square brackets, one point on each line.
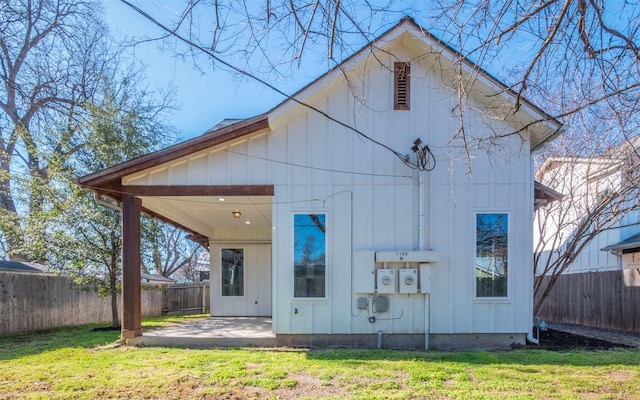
[78, 363]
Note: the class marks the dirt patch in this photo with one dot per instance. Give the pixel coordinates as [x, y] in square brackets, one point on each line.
[309, 386]
[552, 339]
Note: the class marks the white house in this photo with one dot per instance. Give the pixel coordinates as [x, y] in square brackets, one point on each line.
[348, 210]
[585, 182]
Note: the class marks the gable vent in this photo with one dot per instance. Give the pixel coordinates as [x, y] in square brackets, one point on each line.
[401, 84]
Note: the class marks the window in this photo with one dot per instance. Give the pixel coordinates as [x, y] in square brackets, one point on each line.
[401, 85]
[491, 255]
[233, 272]
[309, 251]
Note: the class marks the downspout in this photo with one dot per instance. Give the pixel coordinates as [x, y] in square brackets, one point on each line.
[530, 337]
[422, 204]
[421, 210]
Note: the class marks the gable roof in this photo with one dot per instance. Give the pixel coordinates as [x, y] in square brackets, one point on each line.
[6, 265]
[109, 178]
[544, 195]
[107, 181]
[631, 242]
[156, 278]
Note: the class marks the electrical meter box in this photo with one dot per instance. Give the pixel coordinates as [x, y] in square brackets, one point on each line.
[386, 282]
[380, 304]
[363, 272]
[425, 278]
[408, 280]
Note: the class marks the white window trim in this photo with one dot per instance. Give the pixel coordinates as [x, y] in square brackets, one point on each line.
[327, 249]
[244, 279]
[493, 299]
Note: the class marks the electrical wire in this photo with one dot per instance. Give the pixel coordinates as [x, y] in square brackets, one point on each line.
[318, 168]
[426, 159]
[403, 157]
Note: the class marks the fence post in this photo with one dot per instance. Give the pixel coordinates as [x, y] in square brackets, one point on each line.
[204, 299]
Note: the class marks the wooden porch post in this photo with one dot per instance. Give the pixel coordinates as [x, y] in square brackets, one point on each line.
[131, 295]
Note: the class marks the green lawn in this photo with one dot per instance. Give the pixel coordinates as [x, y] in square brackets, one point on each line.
[78, 363]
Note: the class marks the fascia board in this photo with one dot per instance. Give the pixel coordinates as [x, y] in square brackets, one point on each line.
[483, 85]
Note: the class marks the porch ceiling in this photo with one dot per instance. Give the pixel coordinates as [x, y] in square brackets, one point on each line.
[205, 214]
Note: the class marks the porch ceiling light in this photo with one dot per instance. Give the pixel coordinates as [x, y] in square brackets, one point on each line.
[220, 198]
[236, 213]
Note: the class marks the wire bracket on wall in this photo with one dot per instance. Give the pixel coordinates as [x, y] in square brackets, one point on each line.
[425, 158]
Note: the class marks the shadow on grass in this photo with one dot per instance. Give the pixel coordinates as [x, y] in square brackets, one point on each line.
[356, 357]
[30, 343]
[85, 336]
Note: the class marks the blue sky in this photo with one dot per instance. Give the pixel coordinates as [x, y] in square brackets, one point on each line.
[207, 95]
[204, 97]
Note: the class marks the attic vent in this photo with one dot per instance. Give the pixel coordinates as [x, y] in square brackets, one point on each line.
[401, 84]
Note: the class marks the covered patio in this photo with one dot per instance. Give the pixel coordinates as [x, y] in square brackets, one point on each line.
[176, 185]
[211, 332]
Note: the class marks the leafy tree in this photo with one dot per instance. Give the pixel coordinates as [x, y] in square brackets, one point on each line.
[69, 106]
[85, 239]
[53, 58]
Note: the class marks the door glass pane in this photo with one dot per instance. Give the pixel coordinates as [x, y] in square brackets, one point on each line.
[233, 272]
[309, 255]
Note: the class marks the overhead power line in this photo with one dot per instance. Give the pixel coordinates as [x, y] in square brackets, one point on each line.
[171, 32]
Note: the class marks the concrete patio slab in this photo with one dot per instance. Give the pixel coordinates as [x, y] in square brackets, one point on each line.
[211, 332]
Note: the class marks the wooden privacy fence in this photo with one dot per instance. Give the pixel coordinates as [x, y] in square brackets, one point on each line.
[186, 299]
[31, 302]
[609, 299]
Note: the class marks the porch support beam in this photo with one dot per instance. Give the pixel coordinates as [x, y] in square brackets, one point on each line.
[131, 294]
[197, 190]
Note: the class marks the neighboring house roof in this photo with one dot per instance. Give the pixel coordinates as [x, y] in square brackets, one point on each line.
[155, 278]
[544, 195]
[223, 124]
[601, 165]
[107, 181]
[6, 265]
[629, 243]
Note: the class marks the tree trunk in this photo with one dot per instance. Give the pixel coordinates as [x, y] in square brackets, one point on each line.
[12, 231]
[113, 288]
[115, 320]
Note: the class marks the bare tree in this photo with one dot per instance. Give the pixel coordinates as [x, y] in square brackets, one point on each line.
[600, 183]
[566, 56]
[166, 250]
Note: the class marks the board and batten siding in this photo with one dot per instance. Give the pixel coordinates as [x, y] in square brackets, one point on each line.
[375, 205]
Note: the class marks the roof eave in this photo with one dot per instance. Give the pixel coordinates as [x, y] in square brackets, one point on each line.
[547, 191]
[621, 246]
[110, 177]
[559, 130]
[629, 243]
[551, 124]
